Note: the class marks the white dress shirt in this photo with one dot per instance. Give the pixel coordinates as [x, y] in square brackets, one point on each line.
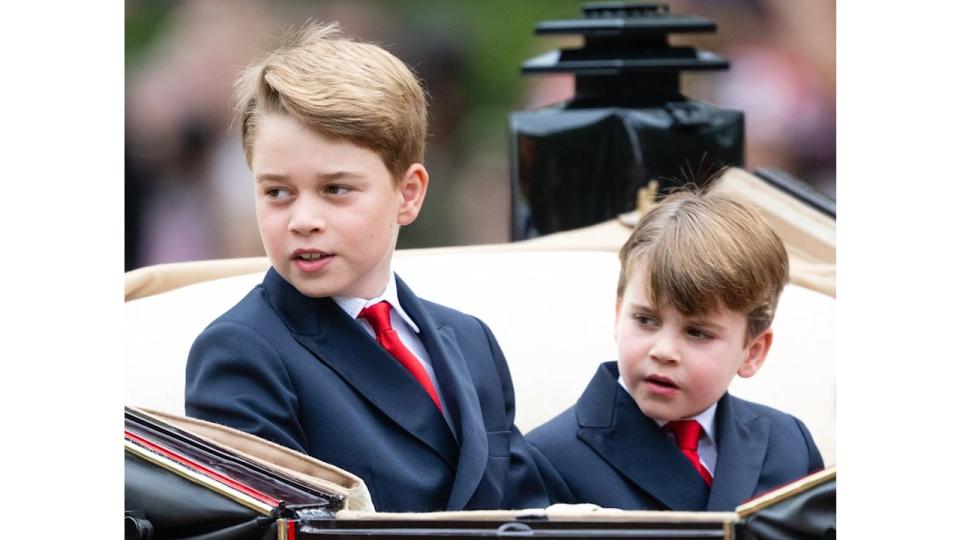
[406, 329]
[706, 445]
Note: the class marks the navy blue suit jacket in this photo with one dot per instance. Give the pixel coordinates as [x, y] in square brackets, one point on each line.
[300, 372]
[605, 451]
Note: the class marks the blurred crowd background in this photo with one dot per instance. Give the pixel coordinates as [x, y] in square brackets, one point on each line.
[189, 195]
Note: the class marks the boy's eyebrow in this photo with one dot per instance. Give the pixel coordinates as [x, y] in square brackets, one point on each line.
[337, 175]
[706, 323]
[334, 175]
[266, 177]
[641, 307]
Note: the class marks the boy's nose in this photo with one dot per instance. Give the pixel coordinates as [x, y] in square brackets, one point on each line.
[306, 219]
[666, 348]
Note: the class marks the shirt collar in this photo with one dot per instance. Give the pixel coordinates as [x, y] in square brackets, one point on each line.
[705, 419]
[353, 306]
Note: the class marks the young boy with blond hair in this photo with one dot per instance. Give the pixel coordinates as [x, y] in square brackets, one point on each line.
[700, 277]
[333, 355]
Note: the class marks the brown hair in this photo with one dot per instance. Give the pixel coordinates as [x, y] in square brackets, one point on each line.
[703, 250]
[343, 89]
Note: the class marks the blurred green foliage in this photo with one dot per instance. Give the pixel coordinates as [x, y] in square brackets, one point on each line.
[144, 21]
[497, 35]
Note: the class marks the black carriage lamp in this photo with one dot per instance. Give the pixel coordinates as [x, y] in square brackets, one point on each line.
[582, 161]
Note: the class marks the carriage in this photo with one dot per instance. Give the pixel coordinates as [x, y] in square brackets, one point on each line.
[187, 478]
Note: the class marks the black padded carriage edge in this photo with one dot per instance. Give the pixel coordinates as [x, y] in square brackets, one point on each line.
[179, 485]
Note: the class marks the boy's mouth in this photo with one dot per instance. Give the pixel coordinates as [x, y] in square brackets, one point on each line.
[311, 260]
[661, 382]
[310, 254]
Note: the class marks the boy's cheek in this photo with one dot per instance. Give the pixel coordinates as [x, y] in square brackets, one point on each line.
[630, 350]
[628, 369]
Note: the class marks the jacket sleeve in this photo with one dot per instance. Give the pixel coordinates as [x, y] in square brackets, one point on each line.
[524, 487]
[236, 378]
[557, 487]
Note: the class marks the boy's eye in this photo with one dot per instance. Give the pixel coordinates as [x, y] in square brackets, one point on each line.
[336, 190]
[697, 333]
[645, 320]
[276, 192]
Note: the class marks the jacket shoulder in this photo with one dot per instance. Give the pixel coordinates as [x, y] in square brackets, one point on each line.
[447, 315]
[555, 434]
[777, 417]
[784, 427]
[789, 436]
[252, 316]
[249, 311]
[471, 331]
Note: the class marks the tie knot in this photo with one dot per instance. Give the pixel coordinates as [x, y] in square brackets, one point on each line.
[378, 315]
[687, 433]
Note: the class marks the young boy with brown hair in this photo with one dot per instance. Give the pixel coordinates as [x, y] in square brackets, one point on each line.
[333, 355]
[700, 277]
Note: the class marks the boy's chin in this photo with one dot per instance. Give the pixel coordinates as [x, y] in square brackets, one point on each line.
[669, 414]
[659, 413]
[659, 417]
[311, 293]
[311, 288]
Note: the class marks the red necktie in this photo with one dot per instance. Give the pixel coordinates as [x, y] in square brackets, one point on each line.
[378, 315]
[687, 433]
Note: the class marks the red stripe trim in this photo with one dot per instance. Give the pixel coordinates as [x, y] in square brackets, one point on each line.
[291, 529]
[258, 495]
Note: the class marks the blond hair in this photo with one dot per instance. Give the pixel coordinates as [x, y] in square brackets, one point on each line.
[341, 88]
[703, 250]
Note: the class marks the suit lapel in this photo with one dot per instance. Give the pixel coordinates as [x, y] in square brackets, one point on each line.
[742, 438]
[459, 394]
[613, 425]
[346, 348]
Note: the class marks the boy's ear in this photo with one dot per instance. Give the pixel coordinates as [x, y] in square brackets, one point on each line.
[756, 354]
[413, 189]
